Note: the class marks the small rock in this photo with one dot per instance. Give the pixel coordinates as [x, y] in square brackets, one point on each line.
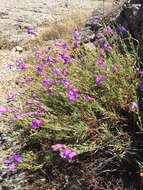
[19, 49]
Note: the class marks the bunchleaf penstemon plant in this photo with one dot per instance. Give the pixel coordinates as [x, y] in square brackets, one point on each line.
[69, 92]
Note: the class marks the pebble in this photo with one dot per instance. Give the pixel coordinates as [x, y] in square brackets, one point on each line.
[19, 49]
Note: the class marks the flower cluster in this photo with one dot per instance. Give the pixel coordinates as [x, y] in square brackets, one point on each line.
[66, 153]
[11, 161]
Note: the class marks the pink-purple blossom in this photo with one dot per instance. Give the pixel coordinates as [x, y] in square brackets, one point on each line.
[3, 110]
[10, 65]
[68, 154]
[63, 46]
[96, 17]
[89, 98]
[37, 123]
[101, 63]
[123, 29]
[115, 69]
[96, 42]
[134, 105]
[141, 74]
[100, 34]
[10, 161]
[141, 86]
[99, 80]
[107, 47]
[73, 96]
[47, 83]
[11, 167]
[57, 146]
[31, 31]
[20, 117]
[21, 65]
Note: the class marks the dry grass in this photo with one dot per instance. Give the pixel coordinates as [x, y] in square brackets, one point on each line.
[63, 29]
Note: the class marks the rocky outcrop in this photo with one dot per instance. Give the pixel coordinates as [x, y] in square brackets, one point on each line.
[129, 15]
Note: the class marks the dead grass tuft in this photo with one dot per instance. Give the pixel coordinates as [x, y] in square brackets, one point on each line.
[63, 29]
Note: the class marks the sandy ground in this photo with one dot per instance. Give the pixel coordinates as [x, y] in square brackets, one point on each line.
[17, 15]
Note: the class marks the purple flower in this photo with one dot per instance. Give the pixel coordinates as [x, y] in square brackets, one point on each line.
[27, 80]
[37, 102]
[82, 57]
[39, 52]
[10, 65]
[11, 160]
[29, 102]
[73, 96]
[115, 69]
[66, 84]
[8, 161]
[64, 46]
[108, 48]
[71, 155]
[67, 62]
[123, 29]
[31, 31]
[3, 110]
[141, 86]
[134, 105]
[28, 114]
[14, 111]
[57, 146]
[52, 93]
[76, 33]
[37, 123]
[11, 98]
[76, 39]
[99, 80]
[109, 30]
[63, 56]
[19, 117]
[50, 60]
[56, 73]
[17, 158]
[96, 42]
[101, 63]
[64, 73]
[47, 83]
[65, 152]
[100, 34]
[89, 98]
[40, 57]
[73, 60]
[141, 73]
[96, 17]
[76, 45]
[48, 50]
[11, 167]
[21, 65]
[101, 50]
[68, 154]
